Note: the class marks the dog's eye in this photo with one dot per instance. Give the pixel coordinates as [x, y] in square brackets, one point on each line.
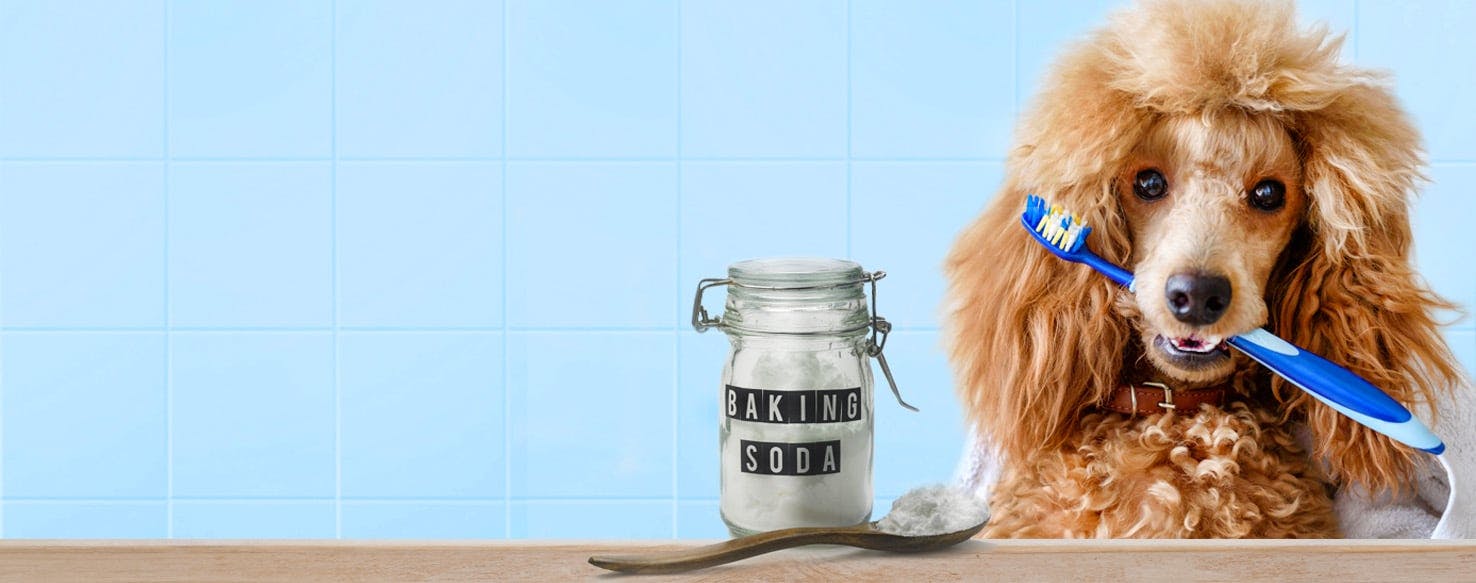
[1268, 195]
[1150, 185]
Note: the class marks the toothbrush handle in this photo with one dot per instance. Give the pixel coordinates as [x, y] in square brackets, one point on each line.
[1339, 388]
[1122, 276]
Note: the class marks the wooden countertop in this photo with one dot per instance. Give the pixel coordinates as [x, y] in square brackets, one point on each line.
[1343, 561]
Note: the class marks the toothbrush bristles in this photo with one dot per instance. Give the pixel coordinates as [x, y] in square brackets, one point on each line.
[1056, 225]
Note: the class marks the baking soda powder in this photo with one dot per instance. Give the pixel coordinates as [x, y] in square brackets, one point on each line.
[779, 471]
[934, 510]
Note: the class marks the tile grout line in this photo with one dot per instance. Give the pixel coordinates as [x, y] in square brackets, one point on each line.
[1356, 35]
[1015, 60]
[2, 362]
[2, 377]
[676, 336]
[506, 337]
[2, 366]
[850, 149]
[409, 501]
[329, 328]
[921, 160]
[415, 500]
[899, 327]
[849, 114]
[168, 299]
[485, 160]
[333, 254]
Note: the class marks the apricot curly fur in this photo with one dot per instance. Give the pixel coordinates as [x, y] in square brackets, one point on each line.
[1232, 473]
[1035, 341]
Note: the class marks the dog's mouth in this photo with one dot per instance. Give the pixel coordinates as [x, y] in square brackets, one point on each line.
[1193, 351]
[1196, 344]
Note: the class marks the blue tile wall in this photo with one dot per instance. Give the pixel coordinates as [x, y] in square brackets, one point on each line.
[392, 269]
[914, 447]
[1043, 30]
[927, 80]
[421, 415]
[238, 519]
[419, 79]
[700, 367]
[1341, 16]
[86, 519]
[83, 244]
[908, 236]
[250, 244]
[52, 69]
[253, 415]
[112, 384]
[764, 79]
[564, 407]
[591, 244]
[1424, 43]
[700, 519]
[591, 79]
[250, 79]
[433, 259]
[426, 519]
[591, 519]
[788, 208]
[1441, 229]
[1463, 342]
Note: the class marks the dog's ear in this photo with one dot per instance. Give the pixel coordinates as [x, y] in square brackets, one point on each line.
[1346, 289]
[1035, 340]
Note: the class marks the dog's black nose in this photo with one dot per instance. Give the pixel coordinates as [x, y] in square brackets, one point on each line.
[1196, 298]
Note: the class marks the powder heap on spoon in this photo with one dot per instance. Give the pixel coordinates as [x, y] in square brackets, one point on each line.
[933, 510]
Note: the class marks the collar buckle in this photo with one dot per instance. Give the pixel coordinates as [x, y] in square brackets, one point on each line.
[1168, 396]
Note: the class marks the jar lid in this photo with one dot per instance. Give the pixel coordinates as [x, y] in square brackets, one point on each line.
[795, 272]
[806, 296]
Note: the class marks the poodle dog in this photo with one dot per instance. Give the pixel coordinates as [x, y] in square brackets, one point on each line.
[1248, 178]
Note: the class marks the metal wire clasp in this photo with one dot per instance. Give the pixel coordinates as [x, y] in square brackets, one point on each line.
[880, 329]
[700, 320]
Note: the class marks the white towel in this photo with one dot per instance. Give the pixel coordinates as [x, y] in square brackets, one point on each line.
[1416, 515]
[1360, 515]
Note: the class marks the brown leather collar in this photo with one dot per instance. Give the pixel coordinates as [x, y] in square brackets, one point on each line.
[1148, 398]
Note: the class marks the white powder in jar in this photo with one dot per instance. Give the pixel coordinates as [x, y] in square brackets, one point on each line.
[757, 502]
[932, 510]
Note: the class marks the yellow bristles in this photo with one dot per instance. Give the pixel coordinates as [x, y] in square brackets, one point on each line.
[1044, 219]
[1059, 228]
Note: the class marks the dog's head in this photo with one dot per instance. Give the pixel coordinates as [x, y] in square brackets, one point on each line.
[1248, 179]
[1210, 202]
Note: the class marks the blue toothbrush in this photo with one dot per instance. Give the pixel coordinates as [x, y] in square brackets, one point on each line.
[1339, 388]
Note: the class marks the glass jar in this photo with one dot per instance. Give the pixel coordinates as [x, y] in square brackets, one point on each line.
[795, 404]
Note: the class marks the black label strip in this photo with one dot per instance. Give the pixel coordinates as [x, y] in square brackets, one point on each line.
[789, 459]
[802, 406]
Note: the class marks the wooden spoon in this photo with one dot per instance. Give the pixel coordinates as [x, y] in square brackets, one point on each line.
[866, 536]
